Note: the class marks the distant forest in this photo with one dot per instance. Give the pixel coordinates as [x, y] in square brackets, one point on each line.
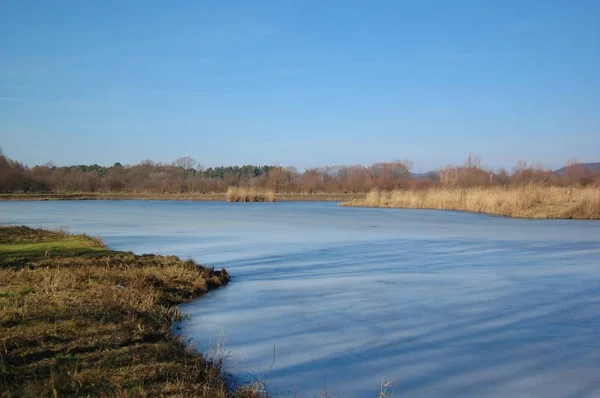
[185, 176]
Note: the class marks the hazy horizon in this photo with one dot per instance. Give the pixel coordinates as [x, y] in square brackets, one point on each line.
[301, 84]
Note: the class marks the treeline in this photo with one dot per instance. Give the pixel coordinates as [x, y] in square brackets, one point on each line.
[185, 176]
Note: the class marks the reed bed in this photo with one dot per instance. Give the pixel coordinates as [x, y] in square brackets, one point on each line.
[241, 194]
[527, 201]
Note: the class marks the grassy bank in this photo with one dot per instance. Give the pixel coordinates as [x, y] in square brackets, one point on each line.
[530, 201]
[221, 196]
[79, 319]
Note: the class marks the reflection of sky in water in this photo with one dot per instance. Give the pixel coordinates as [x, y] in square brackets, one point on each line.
[445, 303]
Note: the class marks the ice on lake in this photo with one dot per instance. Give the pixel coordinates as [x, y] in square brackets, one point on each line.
[437, 303]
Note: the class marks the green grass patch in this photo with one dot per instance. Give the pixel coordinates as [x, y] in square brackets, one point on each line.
[67, 247]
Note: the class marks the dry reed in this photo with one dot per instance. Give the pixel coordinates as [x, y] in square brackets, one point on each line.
[527, 201]
[241, 194]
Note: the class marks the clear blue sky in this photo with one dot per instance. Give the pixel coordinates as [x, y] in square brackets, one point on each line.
[300, 83]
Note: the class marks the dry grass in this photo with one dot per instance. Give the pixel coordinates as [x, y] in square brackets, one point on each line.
[78, 319]
[529, 201]
[240, 194]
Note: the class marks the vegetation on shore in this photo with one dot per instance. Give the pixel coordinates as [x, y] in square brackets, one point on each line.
[527, 201]
[214, 197]
[184, 178]
[240, 194]
[526, 191]
[79, 319]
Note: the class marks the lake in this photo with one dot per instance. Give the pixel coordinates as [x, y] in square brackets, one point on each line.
[342, 299]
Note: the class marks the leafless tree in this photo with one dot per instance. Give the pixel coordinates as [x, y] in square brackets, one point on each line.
[185, 163]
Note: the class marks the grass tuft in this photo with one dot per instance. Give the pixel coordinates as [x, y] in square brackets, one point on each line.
[240, 194]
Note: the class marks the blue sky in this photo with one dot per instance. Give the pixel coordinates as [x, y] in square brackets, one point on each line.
[300, 83]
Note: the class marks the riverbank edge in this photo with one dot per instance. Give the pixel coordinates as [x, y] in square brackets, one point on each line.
[359, 205]
[79, 318]
[211, 197]
[531, 217]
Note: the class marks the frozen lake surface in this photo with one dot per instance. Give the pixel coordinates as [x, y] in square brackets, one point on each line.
[438, 303]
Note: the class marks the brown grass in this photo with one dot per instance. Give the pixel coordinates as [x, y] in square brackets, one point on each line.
[240, 194]
[78, 319]
[528, 201]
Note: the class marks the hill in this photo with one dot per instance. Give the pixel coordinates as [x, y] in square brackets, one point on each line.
[577, 168]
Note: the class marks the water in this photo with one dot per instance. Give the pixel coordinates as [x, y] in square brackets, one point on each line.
[437, 303]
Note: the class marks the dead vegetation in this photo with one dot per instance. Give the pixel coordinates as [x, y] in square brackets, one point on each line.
[526, 201]
[78, 319]
[241, 194]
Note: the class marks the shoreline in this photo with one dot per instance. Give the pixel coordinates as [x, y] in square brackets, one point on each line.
[366, 206]
[211, 197]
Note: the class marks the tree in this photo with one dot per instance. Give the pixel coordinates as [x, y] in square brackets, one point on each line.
[278, 179]
[185, 163]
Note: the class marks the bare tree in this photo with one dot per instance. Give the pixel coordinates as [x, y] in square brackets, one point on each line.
[449, 176]
[185, 163]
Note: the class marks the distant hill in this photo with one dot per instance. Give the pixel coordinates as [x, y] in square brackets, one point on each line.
[589, 167]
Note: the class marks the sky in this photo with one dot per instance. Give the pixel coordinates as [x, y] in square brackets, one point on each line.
[300, 83]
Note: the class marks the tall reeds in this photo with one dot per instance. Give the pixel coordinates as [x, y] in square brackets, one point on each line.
[527, 201]
[241, 194]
